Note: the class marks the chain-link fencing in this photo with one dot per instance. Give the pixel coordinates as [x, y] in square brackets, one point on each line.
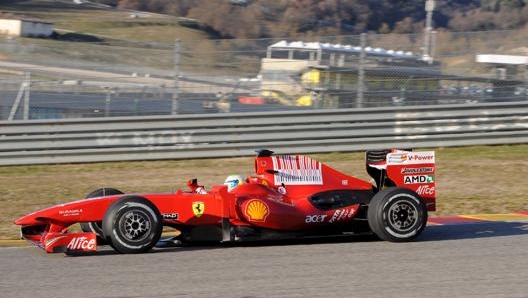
[44, 78]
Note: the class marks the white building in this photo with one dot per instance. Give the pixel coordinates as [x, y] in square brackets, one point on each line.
[506, 66]
[11, 25]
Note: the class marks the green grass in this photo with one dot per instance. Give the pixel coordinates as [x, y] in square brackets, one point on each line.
[484, 179]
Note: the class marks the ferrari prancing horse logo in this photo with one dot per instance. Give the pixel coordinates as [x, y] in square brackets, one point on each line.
[198, 208]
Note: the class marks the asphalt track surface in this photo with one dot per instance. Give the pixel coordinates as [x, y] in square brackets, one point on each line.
[484, 259]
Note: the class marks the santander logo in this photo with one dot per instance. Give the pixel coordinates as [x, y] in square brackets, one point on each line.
[82, 243]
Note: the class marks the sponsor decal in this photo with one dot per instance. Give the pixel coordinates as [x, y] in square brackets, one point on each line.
[82, 243]
[425, 190]
[341, 214]
[173, 216]
[198, 208]
[297, 170]
[425, 170]
[418, 179]
[315, 218]
[344, 182]
[51, 241]
[281, 190]
[421, 156]
[425, 157]
[256, 210]
[397, 157]
[72, 212]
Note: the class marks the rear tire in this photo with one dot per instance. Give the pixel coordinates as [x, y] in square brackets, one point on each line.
[397, 214]
[96, 226]
[132, 224]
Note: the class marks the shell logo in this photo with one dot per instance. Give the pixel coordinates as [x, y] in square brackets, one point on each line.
[257, 210]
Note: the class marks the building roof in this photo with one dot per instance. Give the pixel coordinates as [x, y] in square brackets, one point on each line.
[350, 49]
[502, 59]
[11, 16]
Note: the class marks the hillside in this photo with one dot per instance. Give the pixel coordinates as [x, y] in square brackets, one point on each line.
[272, 18]
[275, 18]
[97, 37]
[99, 23]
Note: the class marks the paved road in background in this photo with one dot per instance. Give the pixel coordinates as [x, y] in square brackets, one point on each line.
[86, 75]
[94, 105]
[488, 259]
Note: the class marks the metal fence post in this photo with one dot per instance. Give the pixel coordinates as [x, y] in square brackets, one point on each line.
[21, 92]
[27, 95]
[429, 8]
[361, 70]
[107, 102]
[175, 95]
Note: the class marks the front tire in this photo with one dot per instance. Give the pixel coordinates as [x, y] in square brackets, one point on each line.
[96, 226]
[397, 214]
[132, 224]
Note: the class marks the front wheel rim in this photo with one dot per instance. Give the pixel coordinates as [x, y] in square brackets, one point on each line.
[135, 225]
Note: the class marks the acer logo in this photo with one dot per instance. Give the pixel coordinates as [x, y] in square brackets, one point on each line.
[81, 243]
[315, 218]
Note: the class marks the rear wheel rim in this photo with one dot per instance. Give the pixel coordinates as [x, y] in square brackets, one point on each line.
[402, 216]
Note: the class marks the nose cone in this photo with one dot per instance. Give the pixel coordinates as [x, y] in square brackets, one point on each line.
[69, 213]
[27, 220]
[41, 216]
[20, 221]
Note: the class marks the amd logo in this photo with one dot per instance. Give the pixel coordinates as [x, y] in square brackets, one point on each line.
[418, 179]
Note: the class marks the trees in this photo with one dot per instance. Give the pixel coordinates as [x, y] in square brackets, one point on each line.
[282, 18]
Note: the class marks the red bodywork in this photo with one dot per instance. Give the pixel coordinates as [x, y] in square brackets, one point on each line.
[282, 196]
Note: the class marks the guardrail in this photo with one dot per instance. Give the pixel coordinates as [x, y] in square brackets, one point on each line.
[239, 134]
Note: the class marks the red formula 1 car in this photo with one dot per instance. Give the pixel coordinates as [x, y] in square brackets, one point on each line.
[289, 196]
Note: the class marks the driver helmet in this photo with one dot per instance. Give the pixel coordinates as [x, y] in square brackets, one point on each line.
[232, 181]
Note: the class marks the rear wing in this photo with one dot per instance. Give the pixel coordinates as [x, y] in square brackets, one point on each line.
[404, 168]
[415, 171]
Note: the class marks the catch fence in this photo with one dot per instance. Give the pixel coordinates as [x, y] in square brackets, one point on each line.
[47, 79]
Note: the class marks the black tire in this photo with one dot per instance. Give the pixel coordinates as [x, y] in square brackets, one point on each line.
[397, 214]
[132, 224]
[96, 226]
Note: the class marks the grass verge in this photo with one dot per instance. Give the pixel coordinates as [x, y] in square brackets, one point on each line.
[484, 179]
